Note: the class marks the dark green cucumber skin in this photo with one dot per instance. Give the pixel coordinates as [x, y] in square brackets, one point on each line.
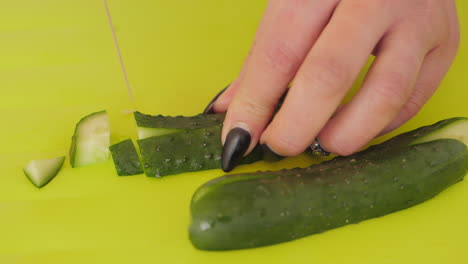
[178, 122]
[272, 207]
[126, 158]
[186, 151]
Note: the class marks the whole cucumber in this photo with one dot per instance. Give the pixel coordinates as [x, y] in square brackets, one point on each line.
[256, 209]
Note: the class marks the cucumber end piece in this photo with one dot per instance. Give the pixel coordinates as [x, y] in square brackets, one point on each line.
[41, 172]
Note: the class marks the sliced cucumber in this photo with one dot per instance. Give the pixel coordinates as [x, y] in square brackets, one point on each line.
[91, 140]
[41, 172]
[126, 158]
[186, 151]
[149, 126]
[256, 209]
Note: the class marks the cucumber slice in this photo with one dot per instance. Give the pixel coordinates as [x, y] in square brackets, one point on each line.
[149, 126]
[91, 140]
[186, 151]
[126, 158]
[263, 208]
[41, 172]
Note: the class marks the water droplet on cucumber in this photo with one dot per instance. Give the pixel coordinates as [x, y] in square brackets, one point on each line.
[205, 226]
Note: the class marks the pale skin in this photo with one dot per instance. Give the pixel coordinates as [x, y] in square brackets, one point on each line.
[322, 45]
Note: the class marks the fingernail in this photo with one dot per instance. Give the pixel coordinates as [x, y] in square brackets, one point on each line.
[236, 144]
[269, 154]
[209, 108]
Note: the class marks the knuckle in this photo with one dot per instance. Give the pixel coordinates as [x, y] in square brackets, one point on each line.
[414, 104]
[280, 57]
[359, 9]
[358, 4]
[453, 40]
[330, 75]
[411, 108]
[253, 109]
[392, 90]
[297, 3]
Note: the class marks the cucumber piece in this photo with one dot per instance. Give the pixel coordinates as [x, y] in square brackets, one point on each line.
[41, 172]
[149, 126]
[125, 157]
[186, 151]
[91, 140]
[263, 208]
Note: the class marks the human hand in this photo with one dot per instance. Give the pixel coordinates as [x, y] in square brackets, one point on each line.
[322, 45]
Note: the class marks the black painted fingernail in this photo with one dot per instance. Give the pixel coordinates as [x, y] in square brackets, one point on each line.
[236, 144]
[209, 108]
[269, 154]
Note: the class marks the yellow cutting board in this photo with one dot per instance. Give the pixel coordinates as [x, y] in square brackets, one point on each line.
[59, 62]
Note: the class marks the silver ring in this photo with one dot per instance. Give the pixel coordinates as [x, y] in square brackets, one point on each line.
[316, 149]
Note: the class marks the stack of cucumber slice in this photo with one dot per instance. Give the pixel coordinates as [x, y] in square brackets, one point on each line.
[168, 145]
[182, 144]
